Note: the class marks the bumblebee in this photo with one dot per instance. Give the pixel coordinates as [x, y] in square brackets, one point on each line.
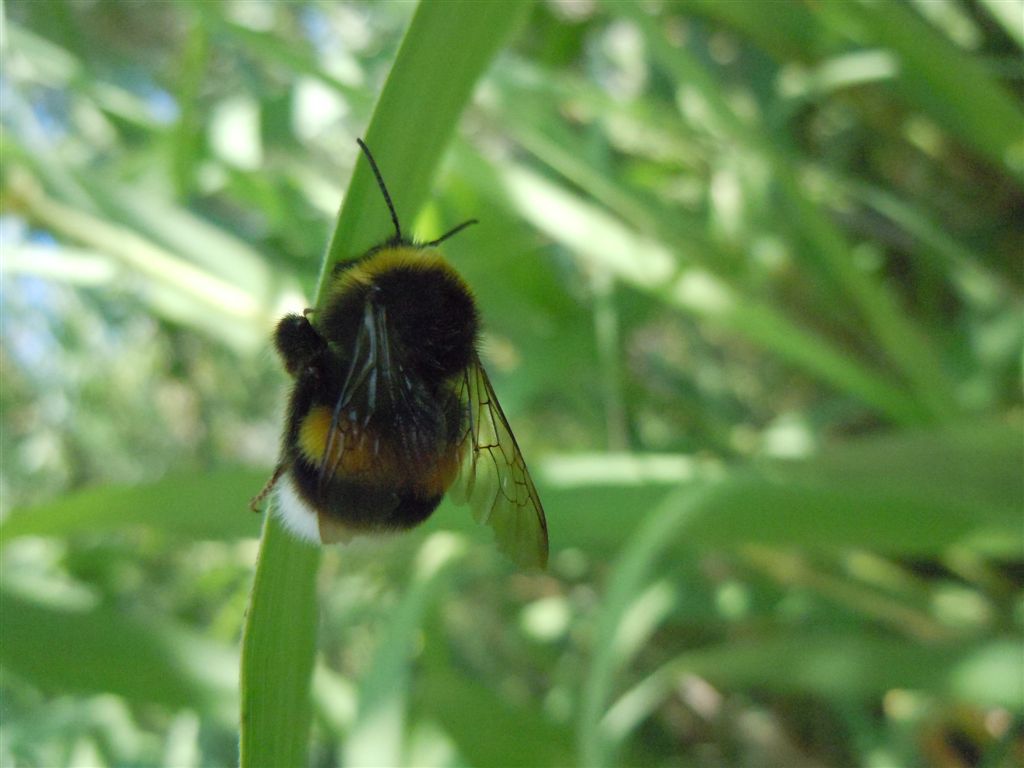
[391, 406]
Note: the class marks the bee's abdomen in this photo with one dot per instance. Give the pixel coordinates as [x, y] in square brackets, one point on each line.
[375, 477]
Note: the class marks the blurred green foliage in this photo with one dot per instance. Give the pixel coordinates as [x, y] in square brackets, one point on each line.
[752, 284]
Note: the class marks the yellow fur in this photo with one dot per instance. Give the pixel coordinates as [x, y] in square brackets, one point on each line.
[354, 455]
[313, 433]
[390, 257]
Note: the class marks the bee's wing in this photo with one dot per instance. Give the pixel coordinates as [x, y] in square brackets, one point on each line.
[494, 479]
[374, 383]
[358, 395]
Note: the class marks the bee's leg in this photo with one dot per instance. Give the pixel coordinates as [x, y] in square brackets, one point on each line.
[297, 342]
[279, 470]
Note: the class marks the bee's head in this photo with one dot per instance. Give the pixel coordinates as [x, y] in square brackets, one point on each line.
[431, 318]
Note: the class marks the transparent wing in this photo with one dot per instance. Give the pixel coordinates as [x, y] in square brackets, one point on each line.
[373, 384]
[358, 397]
[494, 479]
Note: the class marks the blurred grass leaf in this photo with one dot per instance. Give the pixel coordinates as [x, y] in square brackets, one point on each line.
[486, 728]
[105, 650]
[954, 89]
[908, 346]
[840, 668]
[196, 505]
[906, 493]
[377, 734]
[626, 581]
[648, 265]
[843, 668]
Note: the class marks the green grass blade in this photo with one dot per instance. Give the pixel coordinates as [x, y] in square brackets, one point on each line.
[376, 737]
[909, 348]
[965, 267]
[907, 493]
[954, 88]
[648, 264]
[278, 648]
[189, 506]
[838, 668]
[186, 140]
[447, 47]
[178, 287]
[104, 650]
[1009, 14]
[627, 580]
[487, 729]
[268, 46]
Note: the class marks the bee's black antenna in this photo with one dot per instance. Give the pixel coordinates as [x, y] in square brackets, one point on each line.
[384, 191]
[451, 232]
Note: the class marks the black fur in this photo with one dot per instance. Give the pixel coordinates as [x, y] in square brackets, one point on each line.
[430, 326]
